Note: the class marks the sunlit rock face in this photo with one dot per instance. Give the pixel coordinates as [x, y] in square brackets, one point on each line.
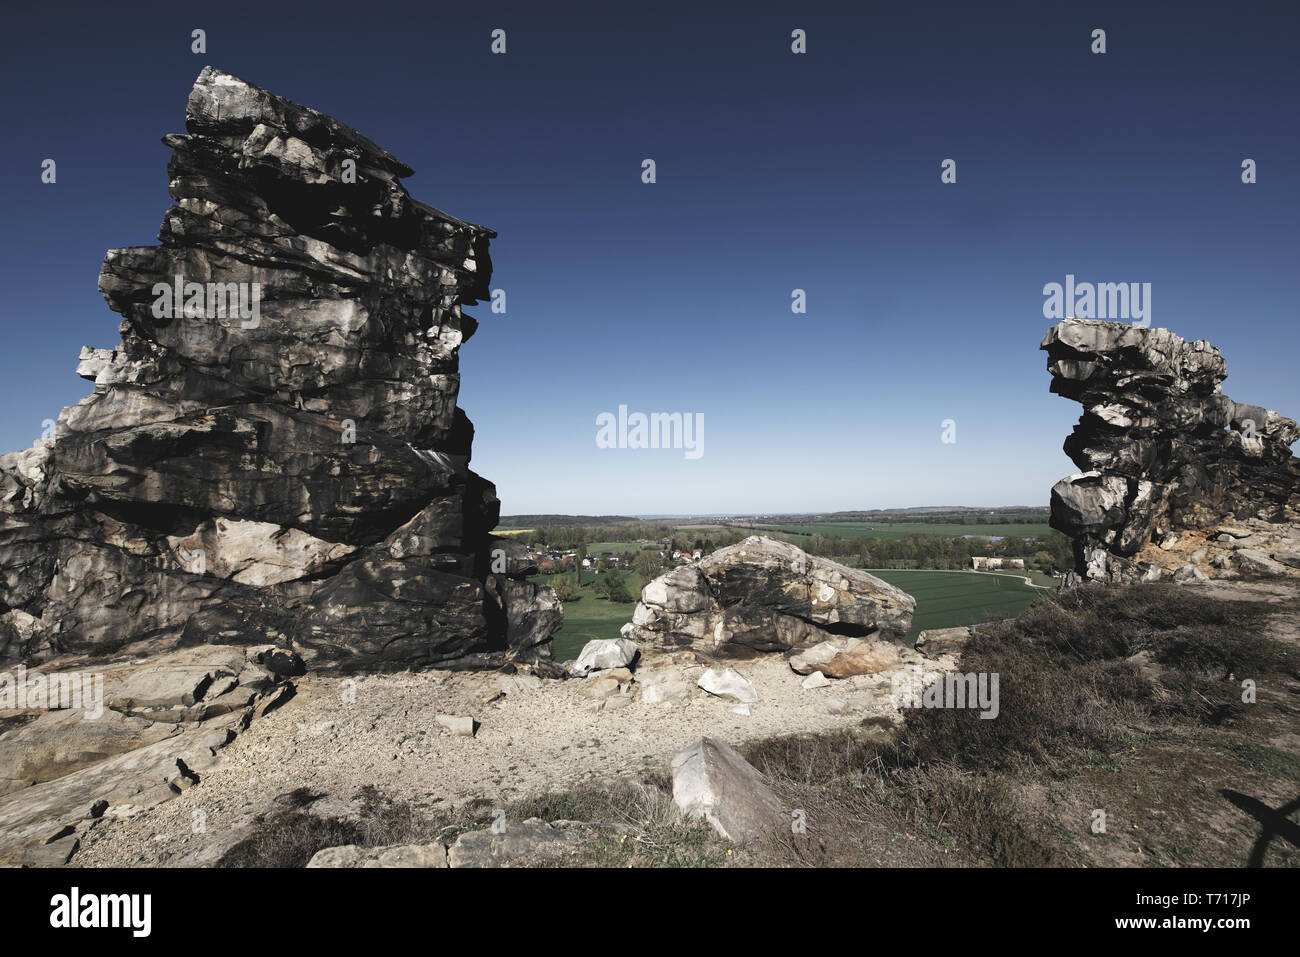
[1173, 472]
[274, 451]
[763, 595]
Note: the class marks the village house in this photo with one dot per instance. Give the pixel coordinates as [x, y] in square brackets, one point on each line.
[982, 563]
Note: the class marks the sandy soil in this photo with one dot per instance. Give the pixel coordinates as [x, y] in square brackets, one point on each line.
[527, 742]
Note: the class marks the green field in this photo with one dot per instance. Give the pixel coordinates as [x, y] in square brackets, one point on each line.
[896, 530]
[592, 617]
[943, 600]
[946, 599]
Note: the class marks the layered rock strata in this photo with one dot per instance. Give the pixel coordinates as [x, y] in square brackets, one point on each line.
[274, 452]
[1173, 472]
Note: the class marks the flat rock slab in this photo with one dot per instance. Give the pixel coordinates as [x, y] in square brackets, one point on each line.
[60, 742]
[142, 777]
[54, 854]
[398, 855]
[1248, 559]
[489, 849]
[845, 657]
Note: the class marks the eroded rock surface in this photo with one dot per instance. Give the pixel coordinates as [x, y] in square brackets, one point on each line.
[141, 731]
[1173, 471]
[763, 595]
[275, 453]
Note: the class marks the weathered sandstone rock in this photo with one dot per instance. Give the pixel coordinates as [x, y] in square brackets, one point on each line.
[460, 725]
[765, 595]
[934, 642]
[1166, 458]
[603, 653]
[398, 855]
[845, 657]
[500, 849]
[728, 683]
[713, 782]
[146, 730]
[296, 472]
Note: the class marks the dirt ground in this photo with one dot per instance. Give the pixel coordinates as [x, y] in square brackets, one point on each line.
[336, 738]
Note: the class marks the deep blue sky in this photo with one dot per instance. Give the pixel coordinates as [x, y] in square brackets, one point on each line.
[775, 171]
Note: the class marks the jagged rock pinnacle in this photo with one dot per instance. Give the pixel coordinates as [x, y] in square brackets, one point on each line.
[273, 452]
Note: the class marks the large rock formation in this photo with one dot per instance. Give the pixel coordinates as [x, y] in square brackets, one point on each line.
[765, 595]
[1174, 472]
[274, 452]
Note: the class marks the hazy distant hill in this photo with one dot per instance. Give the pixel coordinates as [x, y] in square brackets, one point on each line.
[532, 521]
[955, 513]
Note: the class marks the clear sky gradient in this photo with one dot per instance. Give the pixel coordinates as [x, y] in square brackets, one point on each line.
[775, 171]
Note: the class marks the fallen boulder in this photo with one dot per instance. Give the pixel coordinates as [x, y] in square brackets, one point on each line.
[728, 683]
[603, 653]
[934, 642]
[713, 782]
[456, 724]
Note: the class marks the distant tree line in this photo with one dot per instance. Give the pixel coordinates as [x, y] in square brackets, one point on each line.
[656, 536]
[1011, 516]
[533, 521]
[1048, 553]
[571, 536]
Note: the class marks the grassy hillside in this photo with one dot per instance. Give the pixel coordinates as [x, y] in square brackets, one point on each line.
[1126, 701]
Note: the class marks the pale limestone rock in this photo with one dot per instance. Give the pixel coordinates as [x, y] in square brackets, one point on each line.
[604, 653]
[458, 725]
[728, 683]
[713, 782]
